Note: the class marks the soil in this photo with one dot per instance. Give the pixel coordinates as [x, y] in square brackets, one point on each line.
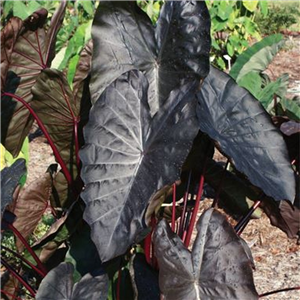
[276, 257]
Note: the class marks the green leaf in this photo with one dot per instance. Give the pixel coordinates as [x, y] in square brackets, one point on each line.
[23, 10]
[257, 57]
[88, 6]
[252, 81]
[224, 10]
[7, 7]
[230, 49]
[291, 109]
[76, 43]
[250, 5]
[58, 59]
[263, 7]
[72, 69]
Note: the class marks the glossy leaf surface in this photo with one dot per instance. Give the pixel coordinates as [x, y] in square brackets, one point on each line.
[128, 156]
[219, 266]
[10, 179]
[125, 39]
[244, 131]
[58, 284]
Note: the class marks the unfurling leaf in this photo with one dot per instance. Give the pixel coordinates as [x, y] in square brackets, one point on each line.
[129, 156]
[125, 39]
[245, 132]
[58, 284]
[219, 266]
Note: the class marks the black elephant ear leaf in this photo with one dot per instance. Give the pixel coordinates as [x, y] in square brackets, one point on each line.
[244, 131]
[58, 284]
[125, 39]
[10, 179]
[91, 288]
[129, 156]
[219, 266]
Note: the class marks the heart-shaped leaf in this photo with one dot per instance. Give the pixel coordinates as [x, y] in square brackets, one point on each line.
[244, 131]
[58, 284]
[125, 39]
[10, 179]
[31, 53]
[219, 266]
[32, 203]
[128, 156]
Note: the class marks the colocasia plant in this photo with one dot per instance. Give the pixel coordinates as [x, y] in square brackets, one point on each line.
[134, 136]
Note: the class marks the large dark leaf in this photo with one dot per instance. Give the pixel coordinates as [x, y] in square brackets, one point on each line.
[58, 284]
[10, 179]
[244, 131]
[32, 52]
[128, 156]
[219, 266]
[55, 105]
[125, 39]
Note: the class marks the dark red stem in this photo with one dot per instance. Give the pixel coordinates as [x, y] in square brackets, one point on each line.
[147, 248]
[76, 143]
[195, 211]
[279, 291]
[23, 240]
[43, 128]
[119, 284]
[240, 226]
[185, 198]
[174, 208]
[18, 277]
[10, 295]
[24, 260]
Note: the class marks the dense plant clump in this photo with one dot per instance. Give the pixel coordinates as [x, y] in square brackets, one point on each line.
[133, 111]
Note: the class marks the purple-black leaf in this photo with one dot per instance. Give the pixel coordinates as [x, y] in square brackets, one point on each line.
[125, 39]
[230, 115]
[58, 284]
[10, 179]
[218, 267]
[128, 156]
